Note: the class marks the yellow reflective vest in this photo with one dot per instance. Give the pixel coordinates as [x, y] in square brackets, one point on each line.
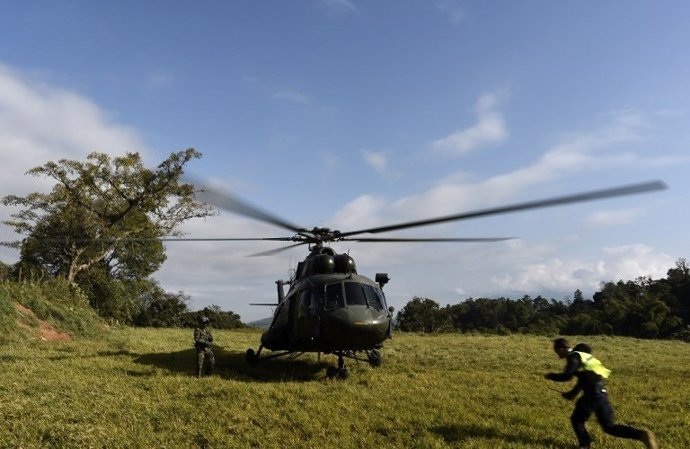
[590, 363]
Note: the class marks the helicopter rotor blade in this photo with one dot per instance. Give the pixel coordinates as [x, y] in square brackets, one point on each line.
[221, 239]
[555, 201]
[277, 250]
[233, 204]
[431, 239]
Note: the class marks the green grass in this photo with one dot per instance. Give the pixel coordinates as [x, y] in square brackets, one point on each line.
[134, 388]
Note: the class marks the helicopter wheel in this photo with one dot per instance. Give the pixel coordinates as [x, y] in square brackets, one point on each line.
[251, 357]
[374, 357]
[340, 373]
[342, 370]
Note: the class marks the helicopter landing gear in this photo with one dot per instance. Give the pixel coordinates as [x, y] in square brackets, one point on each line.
[374, 358]
[252, 357]
[341, 372]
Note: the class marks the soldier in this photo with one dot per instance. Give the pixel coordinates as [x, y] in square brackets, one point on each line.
[202, 342]
[590, 375]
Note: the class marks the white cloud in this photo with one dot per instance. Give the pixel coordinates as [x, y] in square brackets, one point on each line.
[359, 213]
[452, 9]
[575, 153]
[160, 79]
[330, 159]
[292, 96]
[339, 6]
[41, 123]
[613, 217]
[513, 267]
[489, 129]
[379, 162]
[626, 262]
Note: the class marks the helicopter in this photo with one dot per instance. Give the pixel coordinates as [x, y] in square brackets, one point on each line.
[329, 307]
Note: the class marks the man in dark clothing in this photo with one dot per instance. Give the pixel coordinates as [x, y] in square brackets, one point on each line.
[590, 375]
[202, 342]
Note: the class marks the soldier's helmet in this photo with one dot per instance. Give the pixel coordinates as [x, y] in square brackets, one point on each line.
[204, 320]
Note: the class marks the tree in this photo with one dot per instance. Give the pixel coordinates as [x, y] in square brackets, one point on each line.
[420, 315]
[5, 271]
[106, 212]
[163, 309]
[678, 281]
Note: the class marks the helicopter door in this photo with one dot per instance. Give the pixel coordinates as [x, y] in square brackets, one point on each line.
[301, 317]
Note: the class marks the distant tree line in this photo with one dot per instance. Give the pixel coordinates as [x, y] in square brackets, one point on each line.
[643, 308]
[170, 310]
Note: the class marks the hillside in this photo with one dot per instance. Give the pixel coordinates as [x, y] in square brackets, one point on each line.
[48, 311]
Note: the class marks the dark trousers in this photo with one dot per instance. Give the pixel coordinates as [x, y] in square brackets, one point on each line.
[201, 354]
[599, 404]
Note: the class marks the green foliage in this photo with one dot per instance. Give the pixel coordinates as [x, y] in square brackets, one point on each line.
[100, 224]
[8, 316]
[683, 334]
[117, 300]
[643, 308]
[162, 309]
[5, 271]
[420, 315]
[56, 301]
[134, 388]
[219, 319]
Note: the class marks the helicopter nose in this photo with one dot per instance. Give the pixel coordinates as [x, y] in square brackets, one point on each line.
[356, 326]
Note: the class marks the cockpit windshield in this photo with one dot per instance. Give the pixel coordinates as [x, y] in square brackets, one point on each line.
[334, 296]
[374, 297]
[353, 293]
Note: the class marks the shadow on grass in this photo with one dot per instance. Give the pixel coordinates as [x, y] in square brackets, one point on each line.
[457, 433]
[232, 365]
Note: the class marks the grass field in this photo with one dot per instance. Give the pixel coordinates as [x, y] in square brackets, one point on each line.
[134, 388]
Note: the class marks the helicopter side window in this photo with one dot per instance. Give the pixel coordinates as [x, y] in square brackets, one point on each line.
[334, 296]
[373, 297]
[305, 299]
[354, 294]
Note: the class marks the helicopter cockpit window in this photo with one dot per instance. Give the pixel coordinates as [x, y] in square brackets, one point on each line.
[354, 294]
[317, 298]
[334, 296]
[373, 296]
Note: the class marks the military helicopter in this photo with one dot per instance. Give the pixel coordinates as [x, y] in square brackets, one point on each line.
[329, 307]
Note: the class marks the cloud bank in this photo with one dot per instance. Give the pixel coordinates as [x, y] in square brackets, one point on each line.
[489, 129]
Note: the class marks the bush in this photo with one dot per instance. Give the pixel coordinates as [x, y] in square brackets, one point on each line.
[219, 319]
[8, 317]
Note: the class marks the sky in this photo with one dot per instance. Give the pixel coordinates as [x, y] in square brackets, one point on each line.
[350, 114]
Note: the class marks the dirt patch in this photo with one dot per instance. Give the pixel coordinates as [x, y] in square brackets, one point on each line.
[46, 332]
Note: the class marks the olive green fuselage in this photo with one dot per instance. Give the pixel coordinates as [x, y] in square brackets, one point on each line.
[329, 313]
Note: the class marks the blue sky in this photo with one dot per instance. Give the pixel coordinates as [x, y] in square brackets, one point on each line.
[349, 114]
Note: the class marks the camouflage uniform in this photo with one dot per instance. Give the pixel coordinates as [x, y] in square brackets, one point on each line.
[202, 342]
